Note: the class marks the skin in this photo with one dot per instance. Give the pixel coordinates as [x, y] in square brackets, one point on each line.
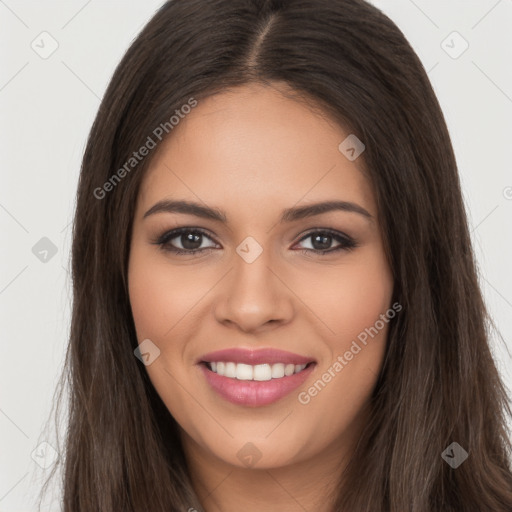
[253, 152]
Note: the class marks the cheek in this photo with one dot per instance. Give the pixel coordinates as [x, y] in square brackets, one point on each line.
[358, 309]
[159, 302]
[360, 302]
[349, 299]
[148, 298]
[162, 298]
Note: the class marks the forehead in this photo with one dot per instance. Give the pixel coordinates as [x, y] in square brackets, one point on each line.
[255, 143]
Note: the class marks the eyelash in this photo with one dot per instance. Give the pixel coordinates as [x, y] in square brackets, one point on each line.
[346, 243]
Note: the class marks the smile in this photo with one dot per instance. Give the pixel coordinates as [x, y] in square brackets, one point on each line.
[254, 378]
[259, 372]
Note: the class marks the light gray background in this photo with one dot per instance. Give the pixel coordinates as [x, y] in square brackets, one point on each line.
[47, 108]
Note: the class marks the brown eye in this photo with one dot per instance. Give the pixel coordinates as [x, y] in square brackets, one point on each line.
[185, 241]
[321, 241]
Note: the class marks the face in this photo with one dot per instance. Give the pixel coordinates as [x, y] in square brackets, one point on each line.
[229, 253]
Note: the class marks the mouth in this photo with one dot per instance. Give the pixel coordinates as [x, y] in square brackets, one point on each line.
[255, 378]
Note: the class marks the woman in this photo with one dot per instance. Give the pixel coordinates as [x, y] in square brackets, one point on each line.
[275, 298]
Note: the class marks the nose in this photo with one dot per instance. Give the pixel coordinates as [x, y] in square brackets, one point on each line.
[253, 297]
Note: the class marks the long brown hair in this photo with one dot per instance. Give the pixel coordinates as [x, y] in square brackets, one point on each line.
[438, 384]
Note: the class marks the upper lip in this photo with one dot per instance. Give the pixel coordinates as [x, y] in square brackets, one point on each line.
[253, 357]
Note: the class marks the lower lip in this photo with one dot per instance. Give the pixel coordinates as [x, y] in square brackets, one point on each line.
[253, 393]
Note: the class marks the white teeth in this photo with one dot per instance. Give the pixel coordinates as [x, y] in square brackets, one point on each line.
[262, 372]
[243, 371]
[277, 371]
[230, 370]
[259, 372]
[289, 369]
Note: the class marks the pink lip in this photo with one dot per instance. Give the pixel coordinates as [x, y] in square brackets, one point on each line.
[253, 393]
[252, 357]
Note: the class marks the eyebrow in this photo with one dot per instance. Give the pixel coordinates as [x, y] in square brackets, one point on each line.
[288, 215]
